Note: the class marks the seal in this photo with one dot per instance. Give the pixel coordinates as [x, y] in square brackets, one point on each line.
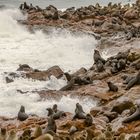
[79, 113]
[72, 130]
[37, 132]
[12, 135]
[3, 134]
[51, 125]
[50, 111]
[98, 57]
[132, 137]
[22, 116]
[134, 81]
[100, 66]
[135, 116]
[112, 87]
[54, 108]
[45, 137]
[89, 120]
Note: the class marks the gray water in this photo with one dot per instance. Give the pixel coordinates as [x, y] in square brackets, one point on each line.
[61, 3]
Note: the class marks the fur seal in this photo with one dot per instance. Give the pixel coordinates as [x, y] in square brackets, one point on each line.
[56, 115]
[3, 134]
[121, 137]
[127, 78]
[112, 87]
[100, 66]
[50, 111]
[51, 125]
[138, 136]
[89, 120]
[132, 137]
[69, 86]
[45, 137]
[11, 136]
[22, 116]
[8, 80]
[121, 64]
[37, 132]
[79, 113]
[134, 116]
[98, 57]
[54, 108]
[72, 130]
[25, 6]
[134, 81]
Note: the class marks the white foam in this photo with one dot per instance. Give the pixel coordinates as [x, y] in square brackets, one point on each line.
[41, 51]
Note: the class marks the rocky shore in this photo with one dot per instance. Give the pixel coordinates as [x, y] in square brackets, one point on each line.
[114, 83]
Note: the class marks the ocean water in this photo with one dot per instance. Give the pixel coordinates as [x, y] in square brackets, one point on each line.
[40, 51]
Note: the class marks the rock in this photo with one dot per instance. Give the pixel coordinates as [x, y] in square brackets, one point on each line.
[122, 105]
[24, 67]
[95, 110]
[131, 14]
[44, 75]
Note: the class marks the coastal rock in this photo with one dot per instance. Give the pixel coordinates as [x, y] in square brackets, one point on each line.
[44, 75]
[122, 105]
[131, 14]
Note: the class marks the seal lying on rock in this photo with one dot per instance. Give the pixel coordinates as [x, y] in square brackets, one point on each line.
[134, 81]
[79, 113]
[22, 116]
[135, 116]
[112, 87]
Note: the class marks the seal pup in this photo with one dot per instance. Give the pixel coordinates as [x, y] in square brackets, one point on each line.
[121, 137]
[72, 130]
[79, 113]
[3, 134]
[22, 116]
[89, 120]
[134, 81]
[12, 135]
[138, 136]
[37, 132]
[132, 137]
[98, 57]
[45, 137]
[51, 125]
[134, 116]
[112, 87]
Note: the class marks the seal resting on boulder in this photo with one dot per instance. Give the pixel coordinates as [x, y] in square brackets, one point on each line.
[22, 116]
[134, 81]
[79, 113]
[135, 116]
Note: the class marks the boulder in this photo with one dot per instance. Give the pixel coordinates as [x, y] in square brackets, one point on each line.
[122, 105]
[44, 75]
[131, 14]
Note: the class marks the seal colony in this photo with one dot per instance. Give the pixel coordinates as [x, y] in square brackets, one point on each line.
[114, 82]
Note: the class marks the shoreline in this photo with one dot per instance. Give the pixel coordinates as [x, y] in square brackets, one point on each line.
[113, 107]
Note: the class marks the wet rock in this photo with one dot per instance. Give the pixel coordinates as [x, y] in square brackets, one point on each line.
[24, 67]
[8, 80]
[95, 110]
[122, 105]
[131, 14]
[44, 75]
